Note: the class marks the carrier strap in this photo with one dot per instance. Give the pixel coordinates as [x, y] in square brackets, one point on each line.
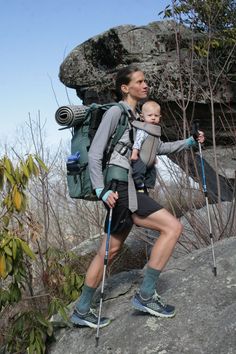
[151, 129]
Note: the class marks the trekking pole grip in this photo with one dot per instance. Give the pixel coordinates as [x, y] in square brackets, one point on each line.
[195, 129]
[114, 185]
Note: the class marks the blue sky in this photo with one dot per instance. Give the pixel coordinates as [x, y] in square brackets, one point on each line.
[35, 36]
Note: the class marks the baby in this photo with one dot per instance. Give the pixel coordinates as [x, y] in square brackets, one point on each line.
[151, 114]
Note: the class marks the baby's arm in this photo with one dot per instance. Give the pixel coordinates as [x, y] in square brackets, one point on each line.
[135, 154]
[139, 139]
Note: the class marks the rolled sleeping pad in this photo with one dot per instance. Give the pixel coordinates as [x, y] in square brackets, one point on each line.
[71, 115]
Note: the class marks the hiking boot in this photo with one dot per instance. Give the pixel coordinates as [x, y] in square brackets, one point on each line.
[154, 305]
[89, 319]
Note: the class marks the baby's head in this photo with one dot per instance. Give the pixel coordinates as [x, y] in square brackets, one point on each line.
[151, 112]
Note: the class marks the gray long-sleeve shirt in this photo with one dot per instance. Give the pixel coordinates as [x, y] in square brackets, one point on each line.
[105, 131]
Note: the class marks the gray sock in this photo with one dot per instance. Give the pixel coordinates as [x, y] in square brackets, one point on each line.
[85, 299]
[149, 283]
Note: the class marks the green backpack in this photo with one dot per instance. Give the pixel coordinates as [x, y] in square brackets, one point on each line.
[84, 121]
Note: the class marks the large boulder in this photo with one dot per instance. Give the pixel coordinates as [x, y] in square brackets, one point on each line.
[205, 320]
[91, 67]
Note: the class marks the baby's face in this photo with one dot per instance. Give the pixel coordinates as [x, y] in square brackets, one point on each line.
[151, 113]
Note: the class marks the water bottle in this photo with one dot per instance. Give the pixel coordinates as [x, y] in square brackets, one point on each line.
[72, 163]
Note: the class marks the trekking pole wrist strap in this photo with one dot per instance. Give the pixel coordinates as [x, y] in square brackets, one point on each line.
[103, 193]
[98, 192]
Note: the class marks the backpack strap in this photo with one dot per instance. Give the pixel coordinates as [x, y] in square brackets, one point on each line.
[120, 129]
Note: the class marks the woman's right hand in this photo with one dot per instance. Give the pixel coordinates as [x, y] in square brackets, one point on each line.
[110, 198]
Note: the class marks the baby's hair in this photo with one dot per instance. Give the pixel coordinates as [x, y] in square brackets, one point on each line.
[150, 101]
[145, 106]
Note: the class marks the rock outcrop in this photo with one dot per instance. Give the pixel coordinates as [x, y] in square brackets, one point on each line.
[91, 68]
[205, 322]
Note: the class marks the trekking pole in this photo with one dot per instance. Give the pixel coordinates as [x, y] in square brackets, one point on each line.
[196, 129]
[113, 188]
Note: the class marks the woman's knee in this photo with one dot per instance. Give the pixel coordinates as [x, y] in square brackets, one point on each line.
[161, 221]
[175, 229]
[113, 252]
[114, 249]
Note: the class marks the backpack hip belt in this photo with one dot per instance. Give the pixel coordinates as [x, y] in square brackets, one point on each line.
[116, 172]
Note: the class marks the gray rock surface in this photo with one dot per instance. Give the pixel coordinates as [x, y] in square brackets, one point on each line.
[226, 159]
[91, 67]
[205, 322]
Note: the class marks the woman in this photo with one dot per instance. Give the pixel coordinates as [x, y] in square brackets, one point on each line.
[142, 211]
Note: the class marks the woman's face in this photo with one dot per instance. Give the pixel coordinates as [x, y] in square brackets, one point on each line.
[137, 88]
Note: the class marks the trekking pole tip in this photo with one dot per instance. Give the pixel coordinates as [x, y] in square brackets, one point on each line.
[214, 271]
[97, 340]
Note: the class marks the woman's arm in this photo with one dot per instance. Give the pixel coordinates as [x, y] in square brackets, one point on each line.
[179, 145]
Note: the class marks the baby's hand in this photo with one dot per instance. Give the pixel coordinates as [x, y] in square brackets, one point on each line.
[134, 155]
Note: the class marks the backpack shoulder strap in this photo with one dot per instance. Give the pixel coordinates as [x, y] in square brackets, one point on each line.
[121, 127]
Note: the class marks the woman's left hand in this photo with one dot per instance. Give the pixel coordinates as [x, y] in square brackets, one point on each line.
[201, 137]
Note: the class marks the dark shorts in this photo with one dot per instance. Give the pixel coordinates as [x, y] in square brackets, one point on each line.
[122, 216]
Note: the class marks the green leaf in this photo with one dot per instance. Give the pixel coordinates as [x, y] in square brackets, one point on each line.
[37, 347]
[66, 288]
[42, 320]
[8, 165]
[6, 220]
[35, 170]
[25, 170]
[26, 249]
[52, 308]
[10, 178]
[17, 175]
[14, 249]
[30, 163]
[5, 241]
[79, 281]
[50, 329]
[3, 272]
[63, 314]
[9, 265]
[167, 13]
[74, 294]
[32, 336]
[41, 163]
[8, 251]
[30, 349]
[66, 269]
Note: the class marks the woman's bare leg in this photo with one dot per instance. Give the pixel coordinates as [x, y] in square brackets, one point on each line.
[170, 230]
[95, 270]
